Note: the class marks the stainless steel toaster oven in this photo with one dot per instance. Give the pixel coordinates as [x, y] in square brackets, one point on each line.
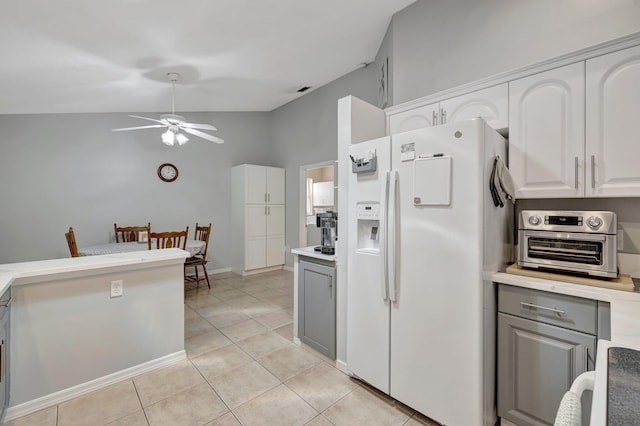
[583, 242]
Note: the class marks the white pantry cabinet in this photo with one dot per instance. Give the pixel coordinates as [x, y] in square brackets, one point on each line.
[258, 218]
[613, 128]
[546, 133]
[490, 103]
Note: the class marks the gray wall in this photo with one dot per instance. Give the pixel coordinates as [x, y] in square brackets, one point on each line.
[61, 170]
[305, 131]
[71, 170]
[442, 44]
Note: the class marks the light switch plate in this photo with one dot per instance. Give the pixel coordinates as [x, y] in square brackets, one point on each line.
[116, 288]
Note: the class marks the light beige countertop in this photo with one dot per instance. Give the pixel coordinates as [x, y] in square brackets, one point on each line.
[44, 270]
[310, 252]
[625, 305]
[625, 325]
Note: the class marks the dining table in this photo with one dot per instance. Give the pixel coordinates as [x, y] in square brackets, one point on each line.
[193, 247]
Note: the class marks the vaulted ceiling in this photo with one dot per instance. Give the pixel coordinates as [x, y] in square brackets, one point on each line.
[232, 55]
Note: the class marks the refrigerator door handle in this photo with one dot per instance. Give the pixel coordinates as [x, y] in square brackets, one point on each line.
[391, 237]
[384, 198]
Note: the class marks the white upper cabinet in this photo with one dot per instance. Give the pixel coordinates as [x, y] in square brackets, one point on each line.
[417, 118]
[490, 103]
[546, 133]
[613, 129]
[264, 185]
[550, 153]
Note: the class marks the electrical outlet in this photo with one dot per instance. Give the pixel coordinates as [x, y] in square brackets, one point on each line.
[116, 288]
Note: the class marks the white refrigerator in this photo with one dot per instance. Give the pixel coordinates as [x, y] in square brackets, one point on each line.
[424, 238]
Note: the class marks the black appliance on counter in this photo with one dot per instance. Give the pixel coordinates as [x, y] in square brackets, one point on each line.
[328, 224]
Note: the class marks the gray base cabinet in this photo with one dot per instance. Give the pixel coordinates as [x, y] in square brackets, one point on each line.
[317, 306]
[545, 341]
[537, 364]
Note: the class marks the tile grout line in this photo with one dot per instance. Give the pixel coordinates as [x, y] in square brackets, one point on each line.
[140, 400]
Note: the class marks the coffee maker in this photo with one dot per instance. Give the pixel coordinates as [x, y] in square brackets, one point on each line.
[328, 224]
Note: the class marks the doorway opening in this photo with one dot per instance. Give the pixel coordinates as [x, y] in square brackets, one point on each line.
[318, 193]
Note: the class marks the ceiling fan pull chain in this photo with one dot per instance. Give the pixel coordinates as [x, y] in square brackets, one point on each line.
[173, 98]
[173, 77]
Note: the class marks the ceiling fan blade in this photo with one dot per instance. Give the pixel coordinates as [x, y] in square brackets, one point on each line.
[147, 118]
[153, 126]
[203, 135]
[198, 126]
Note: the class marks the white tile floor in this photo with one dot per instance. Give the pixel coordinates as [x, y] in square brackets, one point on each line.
[242, 369]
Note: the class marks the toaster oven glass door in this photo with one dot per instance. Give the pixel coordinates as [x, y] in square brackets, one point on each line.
[566, 250]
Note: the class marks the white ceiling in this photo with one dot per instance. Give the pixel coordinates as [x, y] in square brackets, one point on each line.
[233, 55]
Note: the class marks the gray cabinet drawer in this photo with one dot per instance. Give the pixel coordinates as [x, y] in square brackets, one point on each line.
[569, 312]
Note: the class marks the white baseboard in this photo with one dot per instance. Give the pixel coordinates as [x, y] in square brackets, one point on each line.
[219, 270]
[37, 404]
[342, 366]
[261, 270]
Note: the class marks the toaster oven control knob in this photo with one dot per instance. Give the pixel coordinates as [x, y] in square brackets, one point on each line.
[594, 222]
[534, 220]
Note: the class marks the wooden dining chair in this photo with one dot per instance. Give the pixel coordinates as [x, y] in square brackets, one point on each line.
[161, 240]
[71, 242]
[202, 233]
[126, 234]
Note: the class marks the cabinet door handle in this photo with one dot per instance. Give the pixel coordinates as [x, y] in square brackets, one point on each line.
[586, 358]
[532, 306]
[434, 118]
[575, 167]
[593, 172]
[443, 116]
[3, 357]
[6, 305]
[265, 210]
[265, 197]
[268, 210]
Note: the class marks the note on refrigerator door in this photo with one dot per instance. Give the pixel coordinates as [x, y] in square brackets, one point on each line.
[432, 181]
[408, 151]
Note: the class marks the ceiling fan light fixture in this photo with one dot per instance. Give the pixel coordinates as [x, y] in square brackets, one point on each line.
[182, 139]
[175, 123]
[168, 138]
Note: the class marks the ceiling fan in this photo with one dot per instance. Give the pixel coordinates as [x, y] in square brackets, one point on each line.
[175, 123]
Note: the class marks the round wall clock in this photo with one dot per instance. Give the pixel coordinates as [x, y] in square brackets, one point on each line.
[168, 172]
